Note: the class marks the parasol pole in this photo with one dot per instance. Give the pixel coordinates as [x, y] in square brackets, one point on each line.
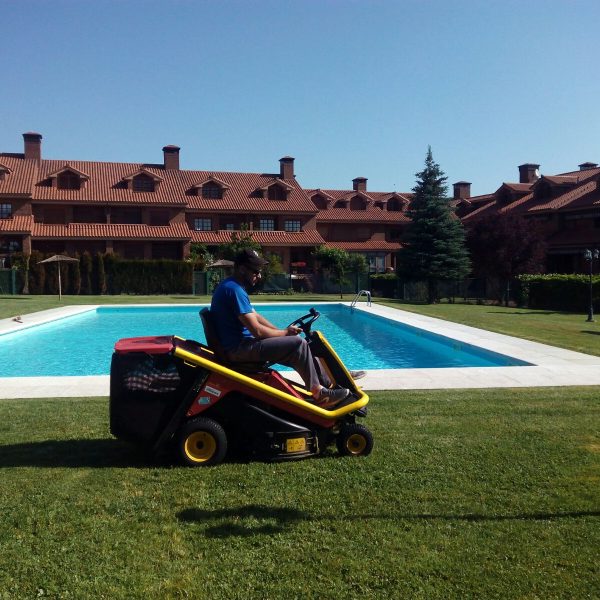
[59, 286]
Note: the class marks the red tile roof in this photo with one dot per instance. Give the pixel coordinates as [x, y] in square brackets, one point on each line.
[107, 185]
[176, 231]
[23, 173]
[242, 194]
[367, 246]
[372, 213]
[569, 198]
[310, 237]
[17, 224]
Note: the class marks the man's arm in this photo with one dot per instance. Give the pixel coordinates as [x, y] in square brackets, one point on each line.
[260, 328]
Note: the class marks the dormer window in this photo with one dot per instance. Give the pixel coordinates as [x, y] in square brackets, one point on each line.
[143, 183]
[394, 205]
[358, 203]
[319, 201]
[276, 192]
[212, 190]
[67, 180]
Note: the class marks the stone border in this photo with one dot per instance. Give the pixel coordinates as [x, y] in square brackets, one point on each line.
[550, 366]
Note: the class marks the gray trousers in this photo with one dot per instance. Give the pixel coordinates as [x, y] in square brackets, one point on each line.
[291, 350]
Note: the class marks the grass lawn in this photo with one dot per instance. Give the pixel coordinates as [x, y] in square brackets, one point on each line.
[467, 494]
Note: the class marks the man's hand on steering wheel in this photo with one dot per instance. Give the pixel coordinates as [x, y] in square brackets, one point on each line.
[293, 330]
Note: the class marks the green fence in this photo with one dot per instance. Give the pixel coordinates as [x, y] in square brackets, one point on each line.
[8, 281]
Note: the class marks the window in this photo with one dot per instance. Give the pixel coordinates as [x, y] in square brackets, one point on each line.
[203, 224]
[266, 224]
[5, 211]
[229, 227]
[67, 180]
[291, 225]
[126, 216]
[159, 217]
[276, 192]
[394, 205]
[357, 203]
[319, 202]
[89, 214]
[212, 190]
[143, 183]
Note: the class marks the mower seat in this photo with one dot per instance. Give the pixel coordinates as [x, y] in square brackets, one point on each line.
[214, 344]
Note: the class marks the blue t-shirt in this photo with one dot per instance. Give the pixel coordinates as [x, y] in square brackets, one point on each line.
[229, 301]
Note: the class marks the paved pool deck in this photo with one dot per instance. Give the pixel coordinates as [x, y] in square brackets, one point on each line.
[550, 366]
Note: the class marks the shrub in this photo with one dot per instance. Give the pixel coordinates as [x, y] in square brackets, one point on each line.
[384, 284]
[559, 292]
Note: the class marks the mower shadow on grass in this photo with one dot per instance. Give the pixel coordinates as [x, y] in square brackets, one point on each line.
[254, 519]
[93, 453]
[244, 521]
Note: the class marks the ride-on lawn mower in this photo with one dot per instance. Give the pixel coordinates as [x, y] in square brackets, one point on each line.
[167, 393]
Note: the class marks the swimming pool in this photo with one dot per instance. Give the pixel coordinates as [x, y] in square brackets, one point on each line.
[83, 344]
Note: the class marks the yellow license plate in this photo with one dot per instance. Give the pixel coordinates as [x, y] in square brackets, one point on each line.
[295, 445]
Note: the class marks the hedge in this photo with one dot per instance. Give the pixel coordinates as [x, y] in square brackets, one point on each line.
[105, 273]
[384, 285]
[560, 292]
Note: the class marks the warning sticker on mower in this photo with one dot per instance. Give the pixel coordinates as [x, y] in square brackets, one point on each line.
[213, 391]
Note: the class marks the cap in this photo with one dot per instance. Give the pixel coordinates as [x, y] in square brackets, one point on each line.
[249, 258]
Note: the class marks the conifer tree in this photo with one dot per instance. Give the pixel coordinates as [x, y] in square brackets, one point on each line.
[435, 240]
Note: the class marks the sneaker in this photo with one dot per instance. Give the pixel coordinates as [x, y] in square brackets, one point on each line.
[357, 374]
[329, 398]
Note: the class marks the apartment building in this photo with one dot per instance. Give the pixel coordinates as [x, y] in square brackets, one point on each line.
[143, 210]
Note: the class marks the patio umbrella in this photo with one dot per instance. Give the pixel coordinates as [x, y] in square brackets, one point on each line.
[221, 263]
[58, 258]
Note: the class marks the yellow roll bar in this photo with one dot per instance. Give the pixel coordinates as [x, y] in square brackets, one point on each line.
[195, 359]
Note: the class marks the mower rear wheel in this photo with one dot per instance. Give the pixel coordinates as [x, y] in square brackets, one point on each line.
[202, 443]
[354, 440]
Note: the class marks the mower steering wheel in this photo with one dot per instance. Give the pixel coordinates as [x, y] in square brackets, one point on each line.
[306, 321]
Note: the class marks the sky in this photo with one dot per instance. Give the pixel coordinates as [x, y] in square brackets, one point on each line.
[350, 88]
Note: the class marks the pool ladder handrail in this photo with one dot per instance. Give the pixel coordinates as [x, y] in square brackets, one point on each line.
[367, 293]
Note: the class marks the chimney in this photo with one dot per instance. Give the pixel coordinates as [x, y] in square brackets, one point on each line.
[528, 173]
[462, 190]
[286, 167]
[587, 165]
[171, 157]
[33, 145]
[359, 184]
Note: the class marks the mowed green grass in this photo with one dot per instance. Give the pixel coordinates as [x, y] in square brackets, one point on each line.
[566, 330]
[467, 494]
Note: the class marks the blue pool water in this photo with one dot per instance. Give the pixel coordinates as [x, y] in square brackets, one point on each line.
[83, 344]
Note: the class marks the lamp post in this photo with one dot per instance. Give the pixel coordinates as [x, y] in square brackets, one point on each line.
[591, 255]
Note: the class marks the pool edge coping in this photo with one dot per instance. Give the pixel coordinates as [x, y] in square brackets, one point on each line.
[552, 366]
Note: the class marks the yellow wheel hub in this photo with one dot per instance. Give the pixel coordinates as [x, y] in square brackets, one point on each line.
[200, 446]
[356, 444]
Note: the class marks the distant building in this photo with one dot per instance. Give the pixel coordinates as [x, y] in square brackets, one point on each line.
[141, 210]
[566, 205]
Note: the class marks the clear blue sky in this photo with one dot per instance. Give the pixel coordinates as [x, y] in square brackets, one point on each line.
[349, 88]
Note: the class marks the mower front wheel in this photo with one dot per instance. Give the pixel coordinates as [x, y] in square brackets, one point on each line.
[202, 443]
[354, 440]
